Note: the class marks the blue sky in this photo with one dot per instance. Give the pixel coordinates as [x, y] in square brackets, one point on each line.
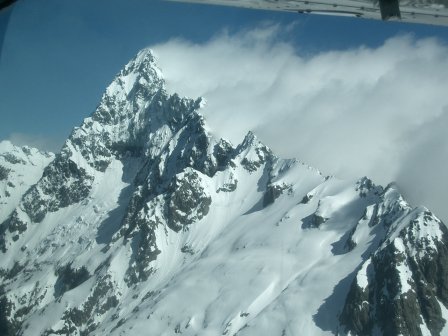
[59, 55]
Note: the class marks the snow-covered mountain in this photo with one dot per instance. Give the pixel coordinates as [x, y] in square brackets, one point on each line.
[147, 224]
[20, 168]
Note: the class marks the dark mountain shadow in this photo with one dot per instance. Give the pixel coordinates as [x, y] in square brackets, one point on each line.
[327, 316]
[343, 245]
[112, 223]
[256, 207]
[262, 185]
[69, 278]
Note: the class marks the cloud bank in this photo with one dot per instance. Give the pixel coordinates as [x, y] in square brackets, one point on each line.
[43, 142]
[379, 112]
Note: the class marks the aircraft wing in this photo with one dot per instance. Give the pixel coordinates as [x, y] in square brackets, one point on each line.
[6, 3]
[433, 12]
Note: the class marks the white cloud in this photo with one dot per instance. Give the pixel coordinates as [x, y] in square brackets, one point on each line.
[377, 112]
[42, 142]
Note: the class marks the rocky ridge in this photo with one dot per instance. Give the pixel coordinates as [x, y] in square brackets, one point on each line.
[20, 168]
[146, 221]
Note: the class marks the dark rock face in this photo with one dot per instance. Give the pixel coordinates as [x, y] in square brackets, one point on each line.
[350, 244]
[357, 313]
[188, 202]
[64, 181]
[11, 158]
[273, 192]
[261, 155]
[171, 181]
[365, 186]
[8, 325]
[223, 152]
[143, 242]
[313, 221]
[191, 151]
[4, 172]
[97, 152]
[306, 199]
[101, 300]
[14, 224]
[230, 185]
[69, 278]
[14, 310]
[404, 283]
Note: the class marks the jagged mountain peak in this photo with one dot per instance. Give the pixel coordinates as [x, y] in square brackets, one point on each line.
[141, 75]
[131, 87]
[20, 168]
[135, 118]
[253, 152]
[137, 89]
[143, 62]
[147, 221]
[251, 140]
[135, 115]
[142, 69]
[7, 146]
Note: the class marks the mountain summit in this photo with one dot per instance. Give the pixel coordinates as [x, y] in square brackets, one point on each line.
[146, 223]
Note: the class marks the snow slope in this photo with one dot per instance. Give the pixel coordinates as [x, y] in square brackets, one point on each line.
[147, 224]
